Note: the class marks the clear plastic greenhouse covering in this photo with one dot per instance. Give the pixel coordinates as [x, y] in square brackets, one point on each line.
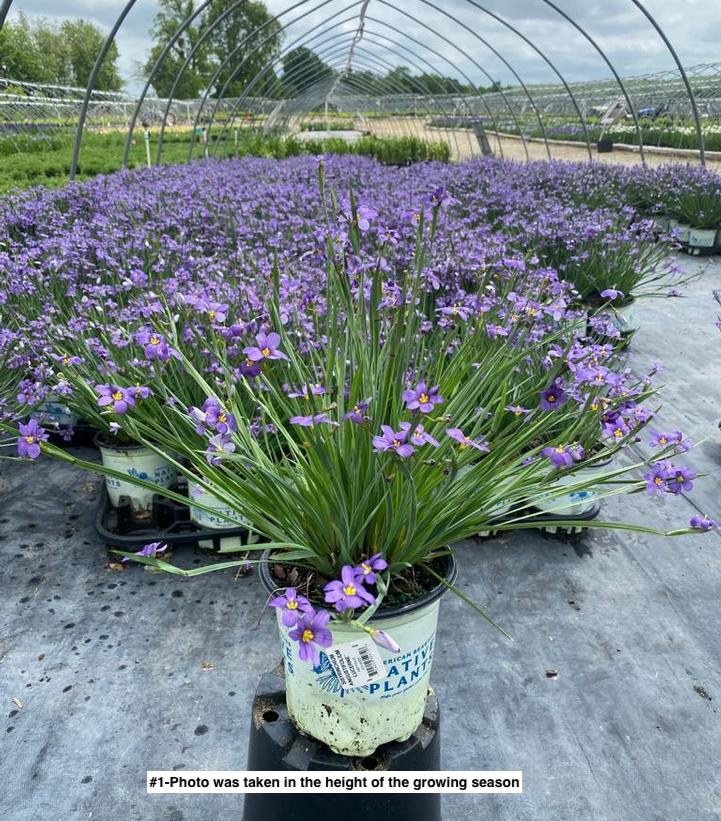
[539, 101]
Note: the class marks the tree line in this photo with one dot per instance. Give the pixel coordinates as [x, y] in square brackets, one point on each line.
[227, 51]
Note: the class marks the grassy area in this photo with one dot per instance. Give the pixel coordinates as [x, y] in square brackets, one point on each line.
[48, 162]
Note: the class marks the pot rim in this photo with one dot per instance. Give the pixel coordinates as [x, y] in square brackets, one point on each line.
[450, 574]
[101, 441]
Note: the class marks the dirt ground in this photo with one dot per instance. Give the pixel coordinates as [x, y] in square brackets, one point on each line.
[465, 146]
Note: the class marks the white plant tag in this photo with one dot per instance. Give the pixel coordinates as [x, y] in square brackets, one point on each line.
[356, 663]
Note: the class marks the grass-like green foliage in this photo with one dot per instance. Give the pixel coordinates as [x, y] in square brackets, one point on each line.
[322, 495]
[47, 162]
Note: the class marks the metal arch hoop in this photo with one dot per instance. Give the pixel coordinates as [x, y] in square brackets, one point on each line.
[505, 62]
[5, 6]
[604, 57]
[229, 57]
[548, 62]
[332, 39]
[684, 77]
[109, 40]
[4, 9]
[156, 67]
[295, 42]
[419, 22]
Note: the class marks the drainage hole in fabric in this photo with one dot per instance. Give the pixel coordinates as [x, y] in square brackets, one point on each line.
[270, 715]
[370, 762]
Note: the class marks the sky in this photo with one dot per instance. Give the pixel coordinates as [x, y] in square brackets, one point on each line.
[455, 37]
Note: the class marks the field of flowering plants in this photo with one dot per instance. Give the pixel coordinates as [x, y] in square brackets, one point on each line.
[357, 375]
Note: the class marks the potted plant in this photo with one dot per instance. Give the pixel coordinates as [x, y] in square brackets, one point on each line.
[699, 207]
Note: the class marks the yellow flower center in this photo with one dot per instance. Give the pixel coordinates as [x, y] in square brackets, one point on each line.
[211, 314]
[349, 590]
[117, 396]
[464, 444]
[292, 604]
[396, 443]
[560, 449]
[265, 351]
[618, 433]
[154, 340]
[307, 636]
[658, 480]
[550, 398]
[531, 311]
[29, 439]
[663, 440]
[249, 363]
[66, 360]
[366, 568]
[423, 398]
[222, 417]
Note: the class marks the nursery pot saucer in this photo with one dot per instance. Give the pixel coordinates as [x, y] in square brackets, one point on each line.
[389, 707]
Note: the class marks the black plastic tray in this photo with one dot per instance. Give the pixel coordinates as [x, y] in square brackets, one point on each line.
[169, 523]
[545, 521]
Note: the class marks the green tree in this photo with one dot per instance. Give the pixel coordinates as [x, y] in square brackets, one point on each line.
[41, 52]
[249, 20]
[83, 41]
[169, 18]
[20, 58]
[302, 69]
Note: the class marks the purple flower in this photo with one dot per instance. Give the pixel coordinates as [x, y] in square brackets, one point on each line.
[218, 444]
[552, 398]
[250, 368]
[657, 478]
[517, 410]
[310, 421]
[121, 399]
[304, 392]
[363, 214]
[662, 440]
[612, 293]
[292, 606]
[703, 523]
[384, 640]
[149, 551]
[466, 442]
[560, 456]
[680, 479]
[311, 633]
[616, 429]
[422, 398]
[357, 413]
[439, 198]
[31, 435]
[367, 569]
[218, 418]
[455, 310]
[267, 348]
[154, 345]
[419, 436]
[348, 591]
[391, 440]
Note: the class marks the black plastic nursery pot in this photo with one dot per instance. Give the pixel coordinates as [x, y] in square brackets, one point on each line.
[276, 745]
[382, 699]
[604, 146]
